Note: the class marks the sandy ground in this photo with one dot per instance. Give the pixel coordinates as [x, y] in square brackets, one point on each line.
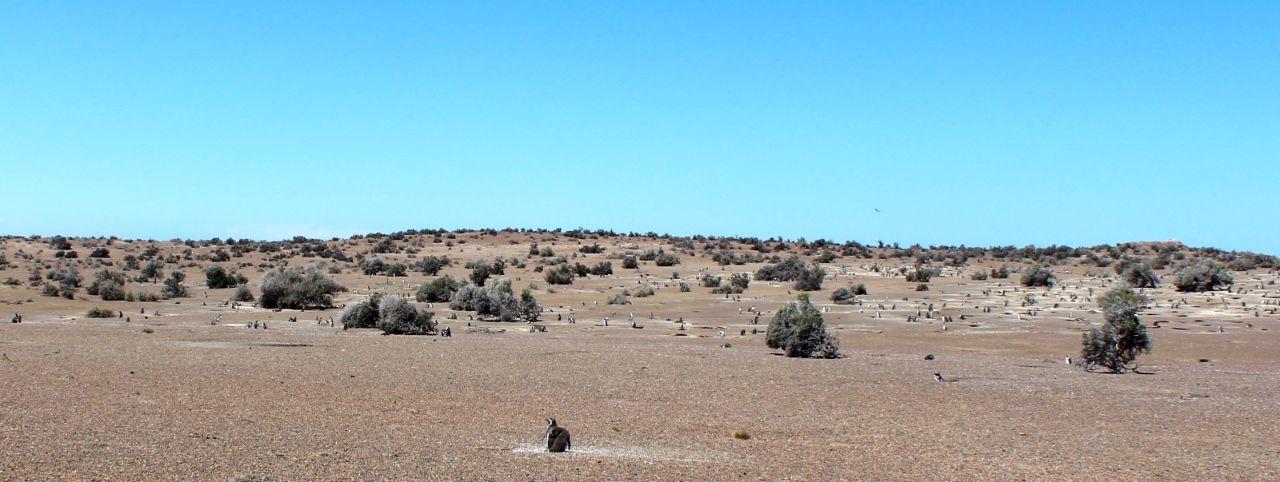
[84, 399]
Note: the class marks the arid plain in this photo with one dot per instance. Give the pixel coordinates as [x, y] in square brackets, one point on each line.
[183, 390]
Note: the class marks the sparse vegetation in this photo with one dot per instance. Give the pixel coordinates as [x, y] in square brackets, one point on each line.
[560, 275]
[173, 287]
[396, 316]
[799, 330]
[493, 301]
[1038, 275]
[1136, 272]
[438, 290]
[1116, 344]
[811, 279]
[217, 277]
[1202, 275]
[843, 296]
[100, 313]
[296, 288]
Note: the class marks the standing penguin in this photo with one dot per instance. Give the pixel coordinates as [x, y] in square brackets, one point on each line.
[557, 437]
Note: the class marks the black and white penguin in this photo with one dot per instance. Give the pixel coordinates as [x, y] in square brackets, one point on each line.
[557, 437]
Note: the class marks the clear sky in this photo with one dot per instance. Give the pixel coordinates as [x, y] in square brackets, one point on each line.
[978, 123]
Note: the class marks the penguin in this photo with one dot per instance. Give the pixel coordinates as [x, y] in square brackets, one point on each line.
[938, 376]
[557, 437]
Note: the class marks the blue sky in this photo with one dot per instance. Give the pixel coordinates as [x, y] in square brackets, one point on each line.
[978, 123]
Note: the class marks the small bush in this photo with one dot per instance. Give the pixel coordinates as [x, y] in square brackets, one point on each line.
[296, 288]
[843, 296]
[642, 291]
[685, 288]
[619, 299]
[1203, 275]
[630, 262]
[978, 276]
[100, 253]
[560, 275]
[372, 266]
[1136, 272]
[666, 259]
[1038, 275]
[217, 277]
[1116, 344]
[1000, 273]
[922, 287]
[480, 273]
[242, 294]
[173, 287]
[363, 314]
[396, 269]
[396, 316]
[788, 270]
[742, 435]
[602, 268]
[811, 279]
[921, 274]
[432, 265]
[860, 289]
[496, 300]
[438, 290]
[100, 313]
[709, 281]
[799, 330]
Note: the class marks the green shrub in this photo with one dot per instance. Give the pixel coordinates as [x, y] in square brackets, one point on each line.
[843, 296]
[480, 273]
[217, 277]
[296, 288]
[921, 274]
[978, 276]
[529, 309]
[629, 262]
[372, 266]
[1116, 344]
[363, 314]
[666, 259]
[432, 265]
[788, 270]
[1136, 272]
[1000, 273]
[396, 316]
[438, 290]
[396, 269]
[495, 301]
[811, 279]
[922, 287]
[1203, 275]
[709, 281]
[107, 284]
[560, 275]
[100, 313]
[242, 294]
[860, 289]
[602, 268]
[173, 287]
[642, 291]
[799, 330]
[742, 435]
[1038, 275]
[619, 299]
[100, 253]
[152, 271]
